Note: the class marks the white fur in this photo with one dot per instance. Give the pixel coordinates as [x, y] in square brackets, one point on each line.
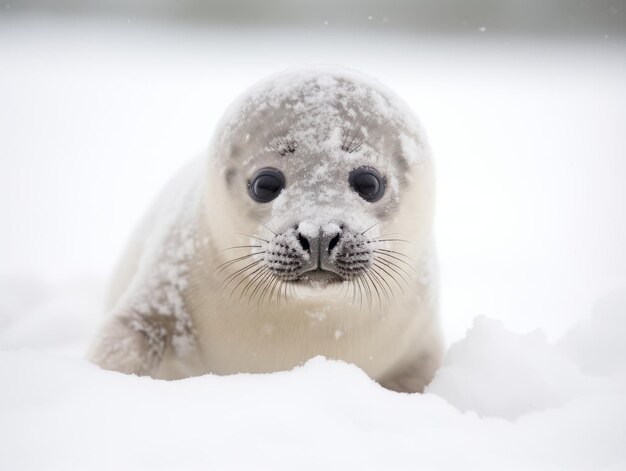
[170, 314]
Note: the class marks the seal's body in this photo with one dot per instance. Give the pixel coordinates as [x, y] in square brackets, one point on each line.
[307, 231]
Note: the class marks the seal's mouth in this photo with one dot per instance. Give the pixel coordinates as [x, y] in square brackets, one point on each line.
[319, 276]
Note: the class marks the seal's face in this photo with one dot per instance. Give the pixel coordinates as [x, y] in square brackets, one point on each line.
[319, 249]
[315, 167]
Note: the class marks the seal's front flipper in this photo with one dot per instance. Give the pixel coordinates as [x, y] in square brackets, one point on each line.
[130, 344]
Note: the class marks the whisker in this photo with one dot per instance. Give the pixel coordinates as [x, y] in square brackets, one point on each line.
[364, 122]
[384, 235]
[280, 152]
[271, 286]
[391, 276]
[241, 247]
[224, 265]
[374, 285]
[368, 291]
[348, 286]
[279, 292]
[371, 227]
[266, 285]
[357, 284]
[234, 275]
[287, 287]
[291, 144]
[251, 274]
[393, 266]
[395, 258]
[369, 288]
[259, 285]
[381, 130]
[375, 273]
[277, 150]
[252, 280]
[345, 285]
[345, 138]
[280, 287]
[269, 230]
[254, 237]
[274, 285]
[395, 240]
[361, 290]
[346, 135]
[396, 252]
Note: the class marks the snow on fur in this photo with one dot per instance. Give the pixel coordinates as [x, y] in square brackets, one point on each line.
[341, 102]
[163, 273]
[340, 118]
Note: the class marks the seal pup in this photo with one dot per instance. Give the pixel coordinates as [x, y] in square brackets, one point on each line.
[305, 231]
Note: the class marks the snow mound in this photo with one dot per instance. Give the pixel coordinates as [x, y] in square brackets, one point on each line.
[498, 373]
[597, 345]
[502, 400]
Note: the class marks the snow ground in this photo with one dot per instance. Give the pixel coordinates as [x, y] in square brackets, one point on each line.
[501, 401]
[527, 135]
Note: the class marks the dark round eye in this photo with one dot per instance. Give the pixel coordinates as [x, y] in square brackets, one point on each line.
[266, 185]
[368, 183]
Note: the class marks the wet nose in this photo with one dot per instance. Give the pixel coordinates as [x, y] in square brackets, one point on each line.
[322, 243]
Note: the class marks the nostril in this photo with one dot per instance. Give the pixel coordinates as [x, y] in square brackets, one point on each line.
[333, 242]
[304, 243]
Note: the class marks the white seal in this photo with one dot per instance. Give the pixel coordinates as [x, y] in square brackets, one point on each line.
[305, 231]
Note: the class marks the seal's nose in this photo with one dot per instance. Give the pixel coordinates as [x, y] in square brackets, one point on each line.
[319, 243]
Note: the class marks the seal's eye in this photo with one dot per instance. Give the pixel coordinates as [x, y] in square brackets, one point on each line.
[266, 185]
[368, 183]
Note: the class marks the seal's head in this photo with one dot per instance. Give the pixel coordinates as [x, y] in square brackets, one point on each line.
[327, 171]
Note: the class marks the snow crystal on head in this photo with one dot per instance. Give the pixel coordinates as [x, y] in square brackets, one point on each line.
[308, 229]
[339, 112]
[330, 229]
[316, 125]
